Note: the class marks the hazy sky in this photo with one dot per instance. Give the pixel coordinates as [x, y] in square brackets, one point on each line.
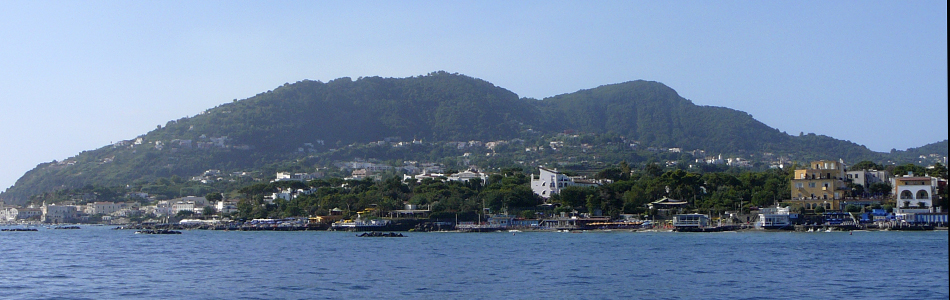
[79, 75]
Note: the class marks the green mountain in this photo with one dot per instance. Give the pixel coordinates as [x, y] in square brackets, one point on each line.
[920, 155]
[316, 123]
[654, 114]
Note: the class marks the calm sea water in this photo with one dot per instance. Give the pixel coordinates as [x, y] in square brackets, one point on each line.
[99, 263]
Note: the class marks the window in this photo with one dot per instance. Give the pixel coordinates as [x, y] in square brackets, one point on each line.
[811, 184]
[907, 195]
[922, 194]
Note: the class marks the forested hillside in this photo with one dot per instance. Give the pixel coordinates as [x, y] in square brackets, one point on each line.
[655, 114]
[313, 123]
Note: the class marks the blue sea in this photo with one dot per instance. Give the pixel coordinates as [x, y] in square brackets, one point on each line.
[100, 263]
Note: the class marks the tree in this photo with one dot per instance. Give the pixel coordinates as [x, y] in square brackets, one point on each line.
[852, 208]
[938, 170]
[653, 169]
[880, 188]
[866, 165]
[574, 196]
[214, 197]
[907, 169]
[593, 203]
[613, 173]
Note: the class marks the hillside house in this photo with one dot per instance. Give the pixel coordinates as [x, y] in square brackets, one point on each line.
[550, 182]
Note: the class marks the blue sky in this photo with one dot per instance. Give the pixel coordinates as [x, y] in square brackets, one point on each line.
[79, 75]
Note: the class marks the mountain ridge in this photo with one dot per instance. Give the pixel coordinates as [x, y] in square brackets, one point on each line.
[274, 126]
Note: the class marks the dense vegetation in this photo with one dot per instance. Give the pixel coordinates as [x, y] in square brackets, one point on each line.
[629, 191]
[310, 123]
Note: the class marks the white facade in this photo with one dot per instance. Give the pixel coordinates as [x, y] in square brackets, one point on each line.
[8, 214]
[468, 175]
[183, 206]
[286, 194]
[461, 176]
[103, 208]
[127, 212]
[774, 218]
[26, 213]
[550, 182]
[915, 194]
[287, 176]
[199, 201]
[59, 213]
[226, 206]
[690, 220]
[163, 208]
[866, 178]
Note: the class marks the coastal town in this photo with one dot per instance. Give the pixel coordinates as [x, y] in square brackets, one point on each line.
[822, 199]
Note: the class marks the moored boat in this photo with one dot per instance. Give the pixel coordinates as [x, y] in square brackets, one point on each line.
[360, 225]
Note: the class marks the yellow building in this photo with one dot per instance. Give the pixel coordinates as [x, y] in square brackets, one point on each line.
[821, 184]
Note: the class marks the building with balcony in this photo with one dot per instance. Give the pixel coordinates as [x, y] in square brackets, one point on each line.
[914, 194]
[821, 180]
[550, 182]
[820, 184]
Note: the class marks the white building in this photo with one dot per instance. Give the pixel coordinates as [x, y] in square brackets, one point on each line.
[181, 206]
[550, 182]
[127, 211]
[59, 213]
[363, 174]
[286, 194]
[774, 218]
[27, 213]
[8, 214]
[200, 202]
[914, 195]
[287, 176]
[469, 175]
[226, 206]
[460, 177]
[866, 178]
[103, 208]
[162, 208]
